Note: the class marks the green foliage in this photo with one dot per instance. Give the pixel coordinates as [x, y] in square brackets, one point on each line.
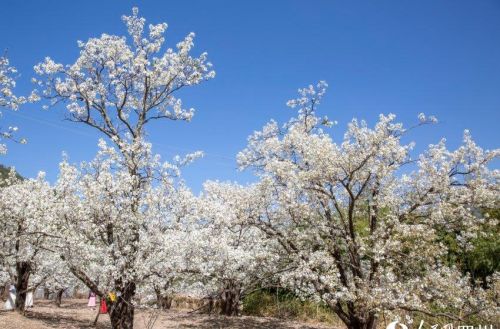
[483, 259]
[284, 304]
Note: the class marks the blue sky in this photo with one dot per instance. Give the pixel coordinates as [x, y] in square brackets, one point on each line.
[404, 57]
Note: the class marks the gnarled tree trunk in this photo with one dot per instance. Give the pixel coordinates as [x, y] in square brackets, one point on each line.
[121, 312]
[356, 321]
[23, 272]
[163, 301]
[230, 300]
[59, 297]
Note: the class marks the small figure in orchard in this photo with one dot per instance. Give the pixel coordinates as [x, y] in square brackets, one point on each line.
[10, 303]
[29, 299]
[92, 298]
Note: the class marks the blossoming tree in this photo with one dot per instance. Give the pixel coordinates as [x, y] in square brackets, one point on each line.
[54, 275]
[360, 219]
[118, 85]
[234, 258]
[25, 232]
[116, 235]
[169, 266]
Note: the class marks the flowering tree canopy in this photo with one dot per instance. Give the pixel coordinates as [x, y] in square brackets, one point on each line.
[361, 219]
[118, 85]
[117, 235]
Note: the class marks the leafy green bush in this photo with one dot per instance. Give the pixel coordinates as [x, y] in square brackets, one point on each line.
[482, 260]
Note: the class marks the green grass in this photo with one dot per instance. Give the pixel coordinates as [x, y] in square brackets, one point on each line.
[286, 305]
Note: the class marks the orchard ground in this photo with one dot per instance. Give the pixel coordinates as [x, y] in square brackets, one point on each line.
[74, 313]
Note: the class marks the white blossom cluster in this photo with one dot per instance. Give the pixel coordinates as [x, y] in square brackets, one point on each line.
[9, 100]
[117, 85]
[7, 84]
[116, 226]
[231, 255]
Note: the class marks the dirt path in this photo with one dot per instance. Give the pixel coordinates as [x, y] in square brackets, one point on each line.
[75, 314]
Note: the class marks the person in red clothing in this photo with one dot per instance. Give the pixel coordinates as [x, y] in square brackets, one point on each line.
[104, 307]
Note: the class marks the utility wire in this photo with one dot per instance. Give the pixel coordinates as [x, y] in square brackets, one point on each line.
[227, 161]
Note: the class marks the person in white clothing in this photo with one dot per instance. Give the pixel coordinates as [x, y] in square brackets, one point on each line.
[29, 299]
[10, 303]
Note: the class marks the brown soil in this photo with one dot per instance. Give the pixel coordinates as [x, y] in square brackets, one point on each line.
[74, 313]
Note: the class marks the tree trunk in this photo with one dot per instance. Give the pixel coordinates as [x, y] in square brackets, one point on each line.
[23, 271]
[59, 297]
[121, 312]
[357, 322]
[163, 301]
[230, 300]
[46, 293]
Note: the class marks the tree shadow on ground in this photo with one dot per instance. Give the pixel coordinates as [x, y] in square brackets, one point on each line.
[58, 320]
[76, 306]
[74, 314]
[212, 322]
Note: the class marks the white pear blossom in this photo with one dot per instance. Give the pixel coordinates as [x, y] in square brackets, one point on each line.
[9, 100]
[118, 87]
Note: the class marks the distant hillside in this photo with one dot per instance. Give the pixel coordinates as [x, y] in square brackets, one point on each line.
[4, 173]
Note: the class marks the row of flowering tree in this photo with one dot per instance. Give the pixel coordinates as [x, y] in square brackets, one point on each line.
[355, 224]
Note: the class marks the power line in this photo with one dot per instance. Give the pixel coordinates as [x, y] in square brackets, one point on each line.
[227, 161]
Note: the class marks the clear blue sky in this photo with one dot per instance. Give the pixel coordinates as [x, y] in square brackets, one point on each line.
[405, 57]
